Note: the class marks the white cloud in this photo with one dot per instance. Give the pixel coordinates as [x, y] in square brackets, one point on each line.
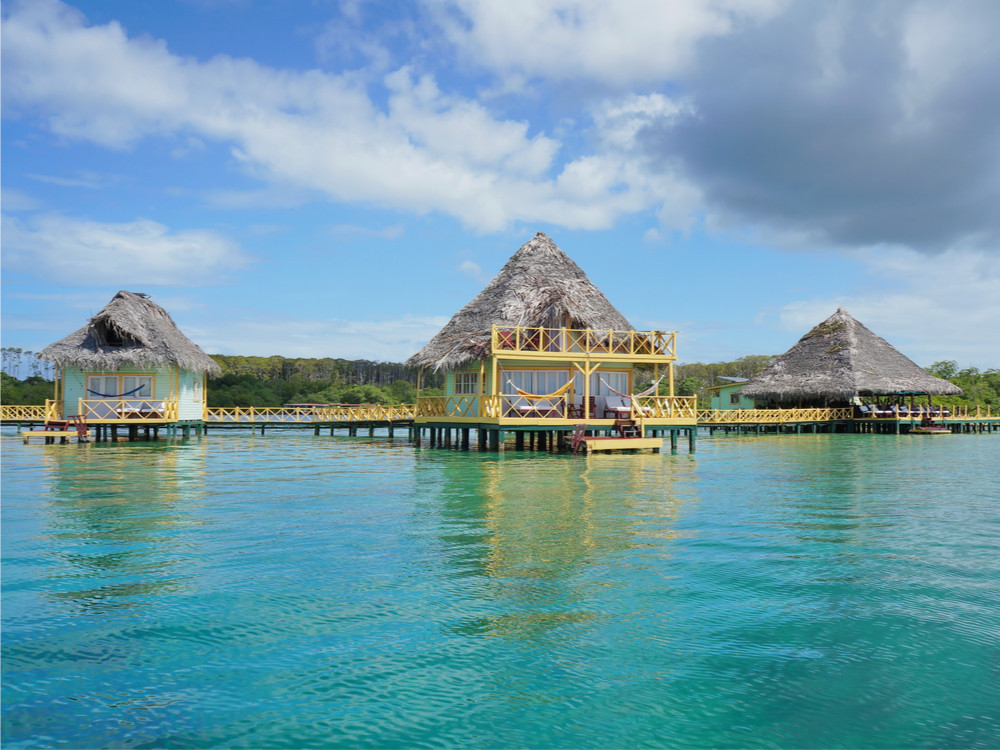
[929, 317]
[139, 253]
[624, 43]
[83, 179]
[386, 340]
[17, 200]
[313, 131]
[473, 270]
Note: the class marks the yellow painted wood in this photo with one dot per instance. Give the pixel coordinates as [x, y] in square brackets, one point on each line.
[13, 413]
[772, 416]
[50, 434]
[562, 343]
[618, 444]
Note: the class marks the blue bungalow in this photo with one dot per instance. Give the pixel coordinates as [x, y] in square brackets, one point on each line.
[728, 395]
[130, 365]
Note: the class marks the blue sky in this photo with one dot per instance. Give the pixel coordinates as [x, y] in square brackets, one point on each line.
[338, 178]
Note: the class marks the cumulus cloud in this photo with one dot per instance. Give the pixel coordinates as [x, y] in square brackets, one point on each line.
[927, 316]
[385, 340]
[425, 151]
[617, 44]
[849, 124]
[143, 252]
[821, 124]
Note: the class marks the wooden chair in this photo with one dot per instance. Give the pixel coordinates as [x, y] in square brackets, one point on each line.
[580, 411]
[627, 428]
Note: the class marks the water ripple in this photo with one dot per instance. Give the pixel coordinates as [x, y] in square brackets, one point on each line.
[294, 590]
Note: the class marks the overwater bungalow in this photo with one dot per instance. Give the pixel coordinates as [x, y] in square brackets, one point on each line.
[131, 365]
[542, 349]
[842, 363]
[729, 394]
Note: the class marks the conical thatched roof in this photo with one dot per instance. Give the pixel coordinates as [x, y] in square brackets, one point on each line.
[130, 330]
[539, 286]
[840, 359]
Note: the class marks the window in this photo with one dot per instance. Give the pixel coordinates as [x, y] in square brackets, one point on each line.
[196, 389]
[466, 383]
[602, 381]
[734, 398]
[536, 382]
[119, 386]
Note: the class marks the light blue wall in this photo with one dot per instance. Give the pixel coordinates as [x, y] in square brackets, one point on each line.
[75, 388]
[722, 399]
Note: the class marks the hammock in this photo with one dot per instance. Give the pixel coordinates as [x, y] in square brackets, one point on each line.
[648, 392]
[554, 394]
[118, 395]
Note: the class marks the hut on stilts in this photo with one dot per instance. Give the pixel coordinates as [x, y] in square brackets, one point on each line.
[542, 353]
[131, 367]
[841, 363]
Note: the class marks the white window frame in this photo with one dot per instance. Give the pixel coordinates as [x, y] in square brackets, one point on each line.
[535, 382]
[117, 383]
[617, 379]
[466, 383]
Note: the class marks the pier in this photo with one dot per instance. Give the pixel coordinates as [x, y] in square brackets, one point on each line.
[536, 434]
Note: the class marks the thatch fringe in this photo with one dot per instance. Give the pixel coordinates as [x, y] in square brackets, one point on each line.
[538, 286]
[131, 330]
[838, 360]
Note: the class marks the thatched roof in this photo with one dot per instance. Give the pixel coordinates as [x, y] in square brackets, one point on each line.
[840, 359]
[130, 330]
[538, 287]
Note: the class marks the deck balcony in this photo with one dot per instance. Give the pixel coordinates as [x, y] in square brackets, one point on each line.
[572, 343]
[513, 409]
[128, 410]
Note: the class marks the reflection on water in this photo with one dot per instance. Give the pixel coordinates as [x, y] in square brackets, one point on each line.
[293, 590]
[541, 528]
[116, 512]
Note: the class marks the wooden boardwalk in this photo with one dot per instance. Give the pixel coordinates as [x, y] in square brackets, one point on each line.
[366, 418]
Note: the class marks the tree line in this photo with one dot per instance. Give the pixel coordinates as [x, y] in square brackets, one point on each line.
[273, 381]
[24, 363]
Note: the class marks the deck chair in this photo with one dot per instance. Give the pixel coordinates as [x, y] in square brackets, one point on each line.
[617, 407]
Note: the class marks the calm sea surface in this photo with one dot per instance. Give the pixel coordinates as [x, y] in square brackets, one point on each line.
[288, 590]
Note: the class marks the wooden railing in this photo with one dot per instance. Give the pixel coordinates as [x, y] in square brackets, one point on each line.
[665, 407]
[130, 410]
[491, 407]
[512, 406]
[13, 413]
[772, 416]
[623, 344]
[339, 413]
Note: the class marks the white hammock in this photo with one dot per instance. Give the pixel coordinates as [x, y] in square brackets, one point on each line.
[648, 392]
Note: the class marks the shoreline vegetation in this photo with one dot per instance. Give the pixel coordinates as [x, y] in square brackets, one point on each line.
[274, 381]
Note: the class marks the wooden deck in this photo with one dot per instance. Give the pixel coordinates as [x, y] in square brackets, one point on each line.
[51, 435]
[595, 444]
[443, 429]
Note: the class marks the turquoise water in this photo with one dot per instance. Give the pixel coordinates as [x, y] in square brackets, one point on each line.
[289, 590]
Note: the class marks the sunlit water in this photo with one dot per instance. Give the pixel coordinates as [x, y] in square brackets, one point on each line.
[291, 590]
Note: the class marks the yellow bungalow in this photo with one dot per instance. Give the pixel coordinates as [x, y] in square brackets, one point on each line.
[130, 365]
[542, 350]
